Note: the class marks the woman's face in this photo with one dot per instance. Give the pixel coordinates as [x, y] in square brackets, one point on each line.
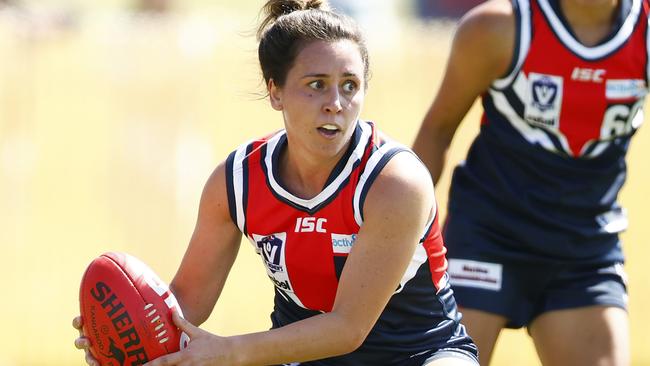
[322, 97]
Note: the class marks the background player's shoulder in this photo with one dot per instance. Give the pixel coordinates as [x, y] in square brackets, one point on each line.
[490, 17]
[126, 310]
[484, 43]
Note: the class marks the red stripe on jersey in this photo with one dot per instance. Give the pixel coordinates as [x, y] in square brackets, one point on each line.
[436, 251]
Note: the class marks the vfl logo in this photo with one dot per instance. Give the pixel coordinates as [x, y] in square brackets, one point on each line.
[543, 101]
[271, 248]
[544, 93]
[115, 353]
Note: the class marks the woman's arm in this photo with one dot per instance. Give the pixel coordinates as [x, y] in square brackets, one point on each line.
[207, 261]
[210, 254]
[481, 52]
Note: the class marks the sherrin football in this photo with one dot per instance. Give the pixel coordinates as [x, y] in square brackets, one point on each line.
[127, 311]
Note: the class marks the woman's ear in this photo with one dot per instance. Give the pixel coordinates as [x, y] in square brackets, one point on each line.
[275, 95]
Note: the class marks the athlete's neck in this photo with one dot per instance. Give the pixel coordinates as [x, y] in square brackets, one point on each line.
[590, 20]
[302, 175]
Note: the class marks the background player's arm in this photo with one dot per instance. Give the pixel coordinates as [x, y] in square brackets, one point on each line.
[210, 254]
[481, 52]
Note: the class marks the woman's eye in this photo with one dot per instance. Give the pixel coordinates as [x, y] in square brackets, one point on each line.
[349, 86]
[317, 84]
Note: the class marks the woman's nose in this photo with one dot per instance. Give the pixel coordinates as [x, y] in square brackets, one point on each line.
[333, 102]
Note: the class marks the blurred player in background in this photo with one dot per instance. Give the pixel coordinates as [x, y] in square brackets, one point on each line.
[344, 220]
[153, 6]
[533, 222]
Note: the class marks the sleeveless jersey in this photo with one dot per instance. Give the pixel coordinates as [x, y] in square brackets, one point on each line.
[545, 171]
[304, 244]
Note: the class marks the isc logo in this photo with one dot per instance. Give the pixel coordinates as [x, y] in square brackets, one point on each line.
[310, 224]
[585, 74]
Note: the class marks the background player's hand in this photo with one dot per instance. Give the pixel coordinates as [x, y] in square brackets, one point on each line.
[203, 349]
[82, 342]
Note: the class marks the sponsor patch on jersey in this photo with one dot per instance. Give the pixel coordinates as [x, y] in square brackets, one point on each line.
[475, 274]
[342, 243]
[544, 100]
[625, 89]
[272, 250]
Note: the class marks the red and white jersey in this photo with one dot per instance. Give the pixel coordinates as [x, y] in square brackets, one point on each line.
[304, 242]
[569, 98]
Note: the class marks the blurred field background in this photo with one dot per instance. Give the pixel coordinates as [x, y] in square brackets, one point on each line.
[111, 121]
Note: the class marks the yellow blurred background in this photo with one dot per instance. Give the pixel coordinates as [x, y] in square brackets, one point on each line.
[111, 121]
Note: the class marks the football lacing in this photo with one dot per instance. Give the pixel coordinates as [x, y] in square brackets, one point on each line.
[154, 320]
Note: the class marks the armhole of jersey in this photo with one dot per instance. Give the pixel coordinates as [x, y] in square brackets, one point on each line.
[375, 164]
[230, 189]
[237, 185]
[523, 32]
[429, 225]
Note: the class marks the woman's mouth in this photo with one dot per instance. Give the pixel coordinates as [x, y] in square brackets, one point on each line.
[328, 130]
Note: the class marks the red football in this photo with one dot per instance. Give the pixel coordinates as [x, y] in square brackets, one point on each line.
[127, 311]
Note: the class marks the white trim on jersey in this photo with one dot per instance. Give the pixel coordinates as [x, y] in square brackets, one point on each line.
[370, 168]
[419, 258]
[531, 134]
[375, 158]
[600, 146]
[427, 227]
[333, 187]
[524, 44]
[591, 53]
[238, 184]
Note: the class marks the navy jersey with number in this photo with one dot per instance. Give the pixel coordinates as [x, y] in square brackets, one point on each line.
[544, 173]
[304, 243]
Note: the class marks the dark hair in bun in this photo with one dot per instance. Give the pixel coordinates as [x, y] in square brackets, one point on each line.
[288, 25]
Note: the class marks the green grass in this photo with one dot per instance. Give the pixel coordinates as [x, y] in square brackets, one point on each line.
[107, 136]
